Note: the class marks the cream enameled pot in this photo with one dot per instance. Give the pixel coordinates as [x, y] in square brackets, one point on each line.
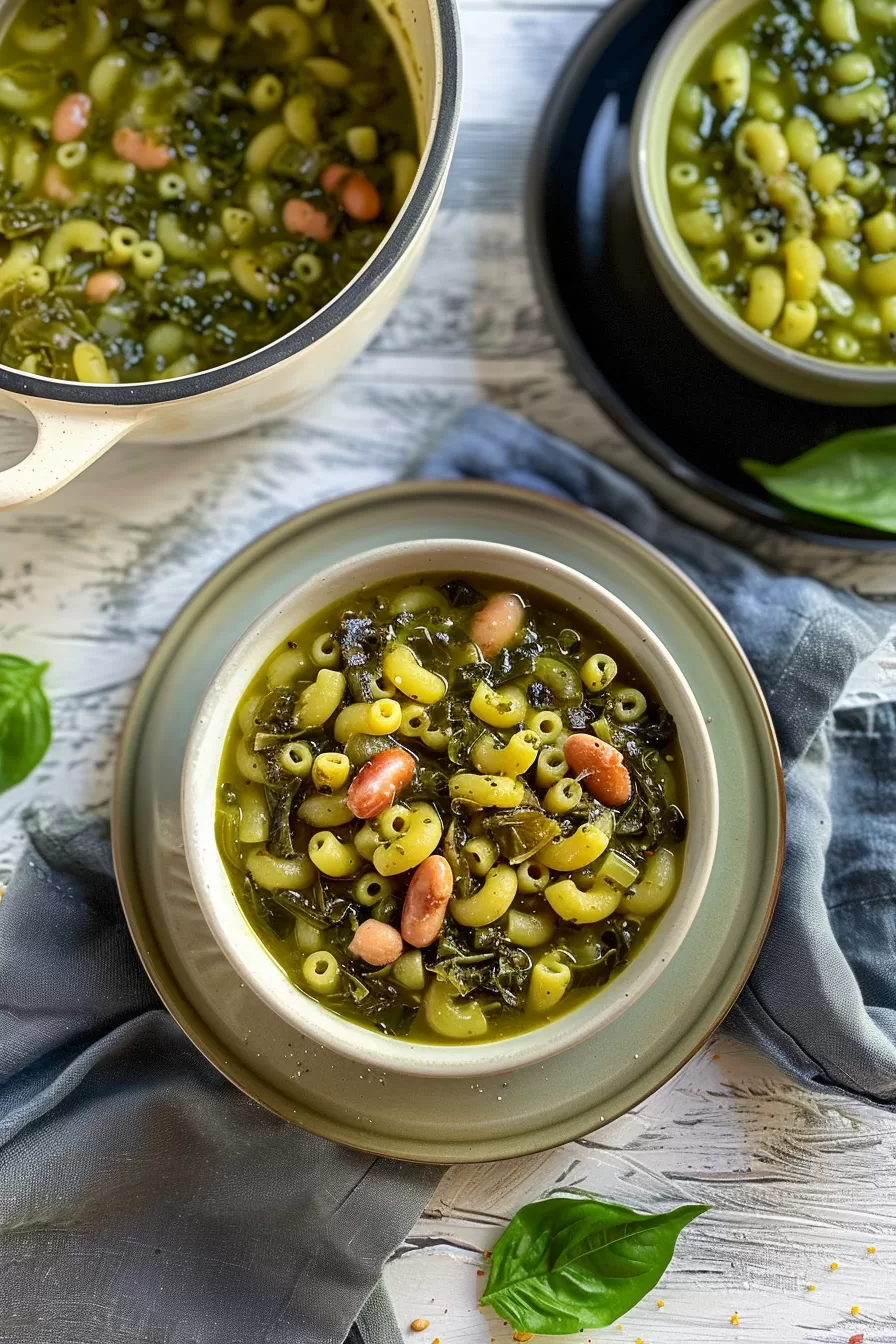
[202, 764]
[78, 422]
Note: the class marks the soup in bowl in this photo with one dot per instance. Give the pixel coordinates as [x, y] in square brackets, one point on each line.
[762, 139]
[449, 807]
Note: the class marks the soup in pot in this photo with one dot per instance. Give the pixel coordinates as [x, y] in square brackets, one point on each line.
[184, 181]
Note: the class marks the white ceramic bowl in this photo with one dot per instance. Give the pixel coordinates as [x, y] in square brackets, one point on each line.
[724, 332]
[506, 565]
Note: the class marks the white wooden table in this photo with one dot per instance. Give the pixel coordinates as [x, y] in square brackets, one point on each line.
[90, 579]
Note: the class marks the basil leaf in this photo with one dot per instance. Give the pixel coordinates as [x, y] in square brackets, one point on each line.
[25, 724]
[568, 1264]
[851, 477]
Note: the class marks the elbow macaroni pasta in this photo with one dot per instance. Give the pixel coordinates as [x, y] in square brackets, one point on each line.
[486, 790]
[330, 770]
[510, 758]
[546, 724]
[288, 666]
[503, 708]
[583, 906]
[566, 853]
[550, 980]
[254, 824]
[321, 972]
[414, 844]
[325, 809]
[333, 856]
[531, 930]
[450, 1016]
[656, 887]
[404, 670]
[279, 874]
[321, 699]
[551, 767]
[481, 854]
[490, 902]
[379, 718]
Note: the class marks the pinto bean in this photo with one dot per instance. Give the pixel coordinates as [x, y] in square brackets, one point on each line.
[302, 217]
[71, 117]
[379, 782]
[376, 943]
[356, 194]
[102, 285]
[360, 198]
[600, 767]
[55, 185]
[497, 623]
[426, 901]
[138, 149]
[333, 175]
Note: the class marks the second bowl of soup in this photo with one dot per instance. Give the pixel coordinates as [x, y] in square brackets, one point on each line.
[763, 150]
[449, 807]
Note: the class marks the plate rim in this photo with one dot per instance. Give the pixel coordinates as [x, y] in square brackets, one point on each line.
[566, 87]
[152, 958]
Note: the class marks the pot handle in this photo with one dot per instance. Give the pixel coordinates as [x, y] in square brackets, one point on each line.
[68, 440]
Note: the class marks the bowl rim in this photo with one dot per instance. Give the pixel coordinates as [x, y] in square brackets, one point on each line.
[434, 162]
[645, 130]
[230, 926]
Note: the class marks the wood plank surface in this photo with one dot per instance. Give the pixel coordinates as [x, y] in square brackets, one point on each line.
[90, 579]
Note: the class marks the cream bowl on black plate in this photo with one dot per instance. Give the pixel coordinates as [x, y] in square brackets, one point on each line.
[792, 184]
[275, 641]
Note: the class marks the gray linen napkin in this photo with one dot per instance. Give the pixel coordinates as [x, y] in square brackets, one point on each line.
[142, 1197]
[822, 999]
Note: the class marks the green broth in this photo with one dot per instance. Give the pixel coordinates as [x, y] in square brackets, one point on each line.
[488, 969]
[782, 174]
[187, 223]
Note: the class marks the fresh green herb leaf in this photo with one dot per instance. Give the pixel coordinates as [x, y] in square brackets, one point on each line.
[379, 1001]
[567, 1264]
[460, 594]
[597, 950]
[480, 961]
[851, 477]
[453, 849]
[227, 825]
[518, 661]
[20, 218]
[277, 712]
[285, 823]
[520, 831]
[362, 640]
[273, 909]
[25, 723]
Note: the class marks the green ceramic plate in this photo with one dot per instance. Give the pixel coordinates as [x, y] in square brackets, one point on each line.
[444, 1120]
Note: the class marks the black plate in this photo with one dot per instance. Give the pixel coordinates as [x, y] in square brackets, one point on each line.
[674, 399]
